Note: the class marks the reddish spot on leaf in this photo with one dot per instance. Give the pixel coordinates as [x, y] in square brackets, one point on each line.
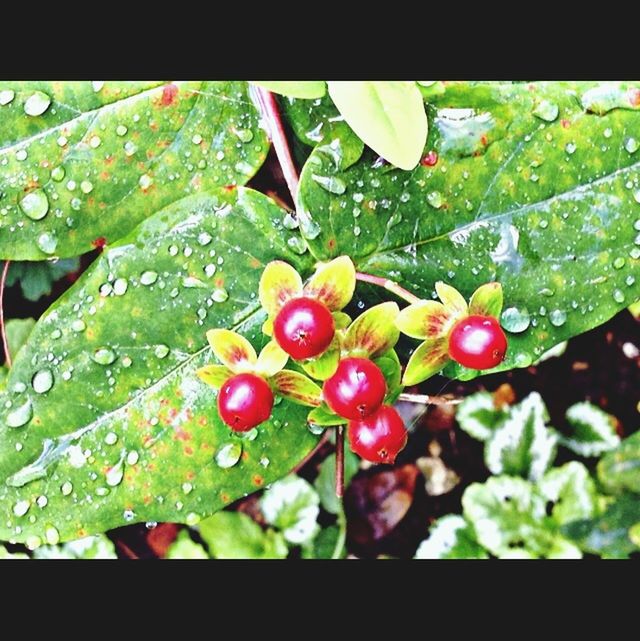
[147, 499]
[229, 188]
[565, 123]
[169, 93]
[82, 533]
[245, 456]
[634, 97]
[109, 159]
[202, 421]
[225, 497]
[104, 175]
[430, 159]
[181, 435]
[188, 451]
[257, 480]
[331, 244]
[484, 140]
[99, 242]
[191, 476]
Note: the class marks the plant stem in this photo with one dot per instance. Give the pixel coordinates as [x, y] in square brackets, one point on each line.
[340, 461]
[342, 536]
[275, 131]
[389, 285]
[426, 399]
[5, 344]
[303, 462]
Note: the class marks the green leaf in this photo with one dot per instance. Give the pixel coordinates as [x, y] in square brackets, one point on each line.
[324, 417]
[271, 359]
[325, 482]
[535, 209]
[571, 491]
[324, 366]
[328, 544]
[140, 438]
[6, 555]
[612, 535]
[184, 547]
[389, 364]
[619, 470]
[373, 333]
[451, 537]
[90, 547]
[233, 535]
[291, 505]
[508, 516]
[295, 88]
[234, 351]
[387, 115]
[18, 330]
[102, 157]
[593, 432]
[487, 300]
[426, 360]
[296, 387]
[36, 279]
[333, 283]
[522, 444]
[478, 416]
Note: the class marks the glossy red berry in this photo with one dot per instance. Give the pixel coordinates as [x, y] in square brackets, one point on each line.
[378, 438]
[356, 389]
[244, 401]
[477, 342]
[304, 328]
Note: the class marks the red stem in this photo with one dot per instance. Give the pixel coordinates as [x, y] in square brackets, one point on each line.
[5, 344]
[275, 131]
[389, 285]
[340, 461]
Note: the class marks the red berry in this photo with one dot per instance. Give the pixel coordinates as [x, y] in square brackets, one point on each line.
[304, 328]
[477, 342]
[378, 438]
[244, 401]
[356, 389]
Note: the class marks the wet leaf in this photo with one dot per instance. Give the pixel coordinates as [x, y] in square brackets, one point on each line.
[451, 537]
[426, 360]
[295, 88]
[297, 388]
[102, 156]
[18, 330]
[140, 439]
[373, 333]
[546, 209]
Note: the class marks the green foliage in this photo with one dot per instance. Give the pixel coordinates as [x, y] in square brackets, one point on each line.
[83, 161]
[325, 483]
[593, 431]
[295, 88]
[511, 198]
[90, 547]
[451, 537]
[184, 547]
[37, 279]
[18, 331]
[619, 470]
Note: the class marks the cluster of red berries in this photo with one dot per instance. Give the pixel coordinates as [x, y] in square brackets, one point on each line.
[304, 328]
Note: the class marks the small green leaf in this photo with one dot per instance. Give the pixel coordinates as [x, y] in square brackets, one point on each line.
[325, 482]
[214, 375]
[389, 364]
[18, 330]
[451, 537]
[324, 366]
[373, 333]
[478, 415]
[388, 116]
[279, 283]
[609, 535]
[291, 505]
[487, 300]
[324, 417]
[297, 388]
[593, 431]
[185, 548]
[306, 89]
[333, 283]
[619, 470]
[341, 320]
[234, 535]
[232, 350]
[37, 278]
[571, 490]
[428, 359]
[271, 359]
[522, 444]
[425, 319]
[328, 544]
[452, 299]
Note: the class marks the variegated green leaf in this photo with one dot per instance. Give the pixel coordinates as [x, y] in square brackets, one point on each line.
[619, 470]
[373, 332]
[593, 431]
[296, 387]
[451, 537]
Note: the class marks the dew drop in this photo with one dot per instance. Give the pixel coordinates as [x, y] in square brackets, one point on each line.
[20, 415]
[37, 103]
[148, 278]
[434, 198]
[618, 263]
[47, 242]
[618, 296]
[128, 515]
[332, 184]
[78, 325]
[631, 145]
[204, 238]
[51, 535]
[245, 135]
[570, 147]
[57, 174]
[86, 187]
[7, 96]
[120, 286]
[220, 295]
[104, 356]
[132, 457]
[66, 488]
[42, 381]
[229, 455]
[557, 317]
[21, 508]
[161, 351]
[35, 204]
[145, 181]
[546, 110]
[515, 320]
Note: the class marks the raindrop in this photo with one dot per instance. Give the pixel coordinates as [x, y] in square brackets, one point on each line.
[331, 184]
[57, 174]
[95, 142]
[111, 438]
[515, 320]
[290, 221]
[161, 351]
[86, 187]
[20, 415]
[51, 535]
[315, 429]
[210, 270]
[104, 356]
[128, 515]
[546, 110]
[148, 278]
[145, 181]
[618, 296]
[114, 474]
[97, 85]
[129, 148]
[7, 96]
[132, 457]
[297, 244]
[220, 295]
[245, 135]
[42, 501]
[78, 325]
[196, 139]
[120, 286]
[47, 242]
[21, 154]
[21, 508]
[121, 130]
[42, 381]
[229, 455]
[570, 147]
[631, 145]
[35, 204]
[192, 518]
[636, 195]
[618, 263]
[67, 488]
[187, 487]
[204, 238]
[557, 317]
[37, 104]
[608, 132]
[434, 198]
